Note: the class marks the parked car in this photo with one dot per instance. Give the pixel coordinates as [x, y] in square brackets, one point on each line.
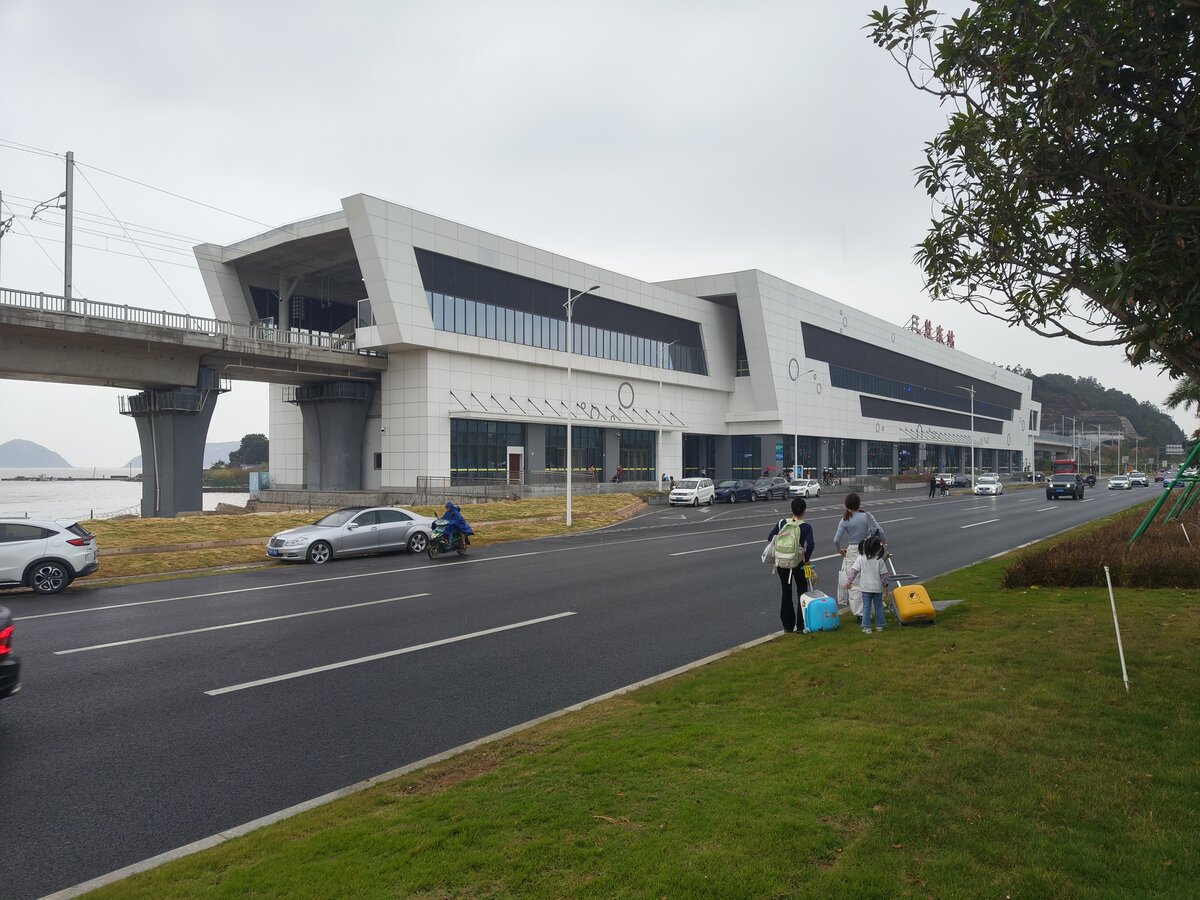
[988, 485]
[772, 487]
[693, 492]
[960, 480]
[1120, 483]
[353, 531]
[804, 487]
[10, 665]
[1139, 479]
[45, 555]
[1065, 484]
[735, 491]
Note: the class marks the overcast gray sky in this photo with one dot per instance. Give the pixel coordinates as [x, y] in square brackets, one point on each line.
[658, 140]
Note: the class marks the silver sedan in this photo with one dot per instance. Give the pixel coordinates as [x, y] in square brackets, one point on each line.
[353, 531]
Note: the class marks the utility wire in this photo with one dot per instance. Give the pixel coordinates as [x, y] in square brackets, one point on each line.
[170, 289]
[29, 203]
[13, 145]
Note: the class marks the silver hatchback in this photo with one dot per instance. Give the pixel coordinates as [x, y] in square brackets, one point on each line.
[353, 531]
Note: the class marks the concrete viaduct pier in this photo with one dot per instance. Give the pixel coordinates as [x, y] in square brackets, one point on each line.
[179, 364]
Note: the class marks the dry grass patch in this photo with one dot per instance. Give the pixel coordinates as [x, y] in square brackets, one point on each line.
[495, 523]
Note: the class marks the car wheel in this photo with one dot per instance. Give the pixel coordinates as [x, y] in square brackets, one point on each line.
[418, 542]
[320, 553]
[696, 501]
[732, 497]
[49, 578]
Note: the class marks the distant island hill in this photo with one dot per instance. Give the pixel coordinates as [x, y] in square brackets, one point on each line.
[20, 454]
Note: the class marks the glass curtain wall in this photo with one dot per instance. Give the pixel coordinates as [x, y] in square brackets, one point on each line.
[908, 457]
[746, 452]
[699, 454]
[587, 447]
[806, 447]
[954, 459]
[479, 450]
[841, 456]
[879, 457]
[637, 455]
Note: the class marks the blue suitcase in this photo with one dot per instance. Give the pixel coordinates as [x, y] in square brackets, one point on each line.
[819, 612]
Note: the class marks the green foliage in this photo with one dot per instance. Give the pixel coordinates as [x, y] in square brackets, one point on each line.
[1067, 182]
[253, 451]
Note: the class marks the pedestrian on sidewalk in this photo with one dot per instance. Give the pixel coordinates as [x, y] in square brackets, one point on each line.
[871, 574]
[791, 616]
[932, 484]
[854, 528]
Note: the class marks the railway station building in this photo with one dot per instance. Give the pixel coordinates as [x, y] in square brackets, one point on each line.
[728, 374]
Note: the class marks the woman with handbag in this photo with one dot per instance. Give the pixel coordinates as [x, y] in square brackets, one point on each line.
[854, 528]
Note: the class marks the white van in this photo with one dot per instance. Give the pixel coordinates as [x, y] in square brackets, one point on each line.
[693, 492]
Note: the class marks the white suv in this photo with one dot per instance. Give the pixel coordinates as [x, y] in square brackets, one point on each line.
[693, 492]
[43, 555]
[1139, 478]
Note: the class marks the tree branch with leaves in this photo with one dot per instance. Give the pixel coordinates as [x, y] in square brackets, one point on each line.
[1066, 186]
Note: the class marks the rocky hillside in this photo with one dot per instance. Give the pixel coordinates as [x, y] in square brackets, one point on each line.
[19, 454]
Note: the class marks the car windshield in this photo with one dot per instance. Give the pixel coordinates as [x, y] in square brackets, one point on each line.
[688, 484]
[339, 517]
[727, 484]
[988, 479]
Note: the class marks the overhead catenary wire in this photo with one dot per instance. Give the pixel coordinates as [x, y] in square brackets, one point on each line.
[166, 284]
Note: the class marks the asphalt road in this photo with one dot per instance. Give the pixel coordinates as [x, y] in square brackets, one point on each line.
[158, 714]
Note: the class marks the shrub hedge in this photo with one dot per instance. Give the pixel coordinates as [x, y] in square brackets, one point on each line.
[1161, 558]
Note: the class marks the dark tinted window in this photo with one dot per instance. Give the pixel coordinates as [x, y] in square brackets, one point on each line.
[392, 515]
[370, 517]
[13, 532]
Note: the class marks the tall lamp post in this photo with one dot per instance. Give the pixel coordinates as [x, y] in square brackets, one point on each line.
[1099, 454]
[971, 390]
[662, 352]
[796, 425]
[570, 305]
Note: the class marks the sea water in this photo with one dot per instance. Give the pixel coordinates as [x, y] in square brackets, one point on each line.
[101, 496]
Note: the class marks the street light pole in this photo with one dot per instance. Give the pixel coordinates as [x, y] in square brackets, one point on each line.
[1099, 454]
[971, 390]
[662, 350]
[796, 423]
[570, 305]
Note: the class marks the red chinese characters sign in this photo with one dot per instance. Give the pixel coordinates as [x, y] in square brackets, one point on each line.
[931, 331]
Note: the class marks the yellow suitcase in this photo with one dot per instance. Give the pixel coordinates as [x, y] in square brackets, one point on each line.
[910, 603]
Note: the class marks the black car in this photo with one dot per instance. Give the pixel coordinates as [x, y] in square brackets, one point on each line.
[1065, 484]
[768, 488]
[735, 491]
[10, 666]
[960, 480]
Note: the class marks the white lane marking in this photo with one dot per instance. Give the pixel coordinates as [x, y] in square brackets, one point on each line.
[969, 508]
[245, 828]
[377, 656]
[1044, 508]
[890, 521]
[722, 547]
[311, 612]
[985, 522]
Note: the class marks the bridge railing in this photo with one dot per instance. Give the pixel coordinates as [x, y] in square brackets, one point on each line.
[114, 312]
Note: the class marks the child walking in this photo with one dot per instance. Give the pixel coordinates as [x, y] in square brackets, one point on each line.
[870, 571]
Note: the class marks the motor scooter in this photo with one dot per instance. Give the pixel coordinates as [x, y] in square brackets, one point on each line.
[441, 542]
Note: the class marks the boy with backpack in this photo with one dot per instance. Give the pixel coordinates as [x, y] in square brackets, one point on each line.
[792, 543]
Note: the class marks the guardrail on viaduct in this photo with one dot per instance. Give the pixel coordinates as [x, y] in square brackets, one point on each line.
[115, 312]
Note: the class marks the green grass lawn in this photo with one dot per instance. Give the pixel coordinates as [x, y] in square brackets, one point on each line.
[996, 754]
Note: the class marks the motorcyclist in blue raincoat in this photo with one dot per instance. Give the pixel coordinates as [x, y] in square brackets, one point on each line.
[455, 523]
